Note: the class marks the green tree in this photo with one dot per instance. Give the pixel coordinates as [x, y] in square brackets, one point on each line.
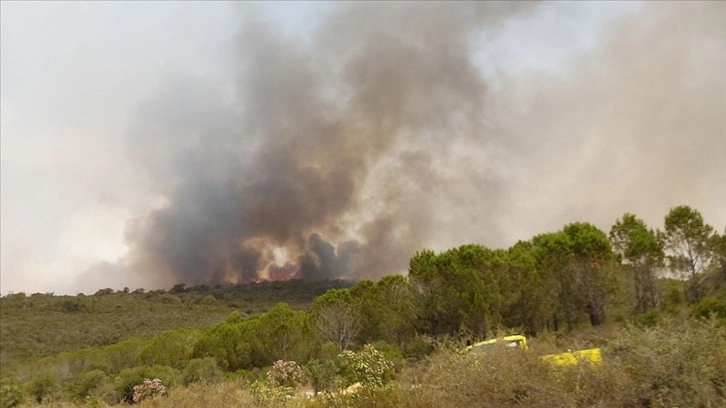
[457, 291]
[528, 302]
[718, 244]
[386, 309]
[172, 348]
[591, 263]
[227, 344]
[640, 251]
[552, 253]
[284, 332]
[688, 239]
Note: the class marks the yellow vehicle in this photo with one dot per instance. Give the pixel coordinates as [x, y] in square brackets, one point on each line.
[518, 341]
[592, 356]
[514, 341]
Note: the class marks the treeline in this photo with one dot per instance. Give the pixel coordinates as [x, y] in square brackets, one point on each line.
[557, 280]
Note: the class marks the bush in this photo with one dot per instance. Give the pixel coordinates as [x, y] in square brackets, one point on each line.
[148, 389]
[269, 394]
[86, 382]
[367, 366]
[9, 396]
[131, 377]
[42, 386]
[417, 348]
[322, 374]
[285, 374]
[709, 306]
[202, 369]
[647, 319]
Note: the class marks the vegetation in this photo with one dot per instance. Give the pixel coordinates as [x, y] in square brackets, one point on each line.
[41, 325]
[655, 301]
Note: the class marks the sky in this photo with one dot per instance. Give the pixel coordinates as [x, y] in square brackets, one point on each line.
[144, 144]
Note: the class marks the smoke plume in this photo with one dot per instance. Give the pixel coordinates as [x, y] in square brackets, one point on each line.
[342, 154]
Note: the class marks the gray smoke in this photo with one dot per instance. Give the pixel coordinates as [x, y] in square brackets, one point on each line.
[342, 155]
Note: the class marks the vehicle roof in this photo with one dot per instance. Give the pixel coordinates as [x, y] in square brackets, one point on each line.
[515, 337]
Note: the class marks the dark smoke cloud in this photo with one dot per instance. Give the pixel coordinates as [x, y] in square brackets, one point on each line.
[341, 157]
[286, 165]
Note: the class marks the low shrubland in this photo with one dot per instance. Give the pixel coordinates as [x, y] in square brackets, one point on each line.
[673, 363]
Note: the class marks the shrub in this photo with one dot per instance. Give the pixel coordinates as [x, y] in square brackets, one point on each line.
[202, 369]
[367, 366]
[270, 394]
[647, 319]
[322, 374]
[42, 386]
[418, 348]
[86, 382]
[708, 306]
[9, 396]
[130, 377]
[285, 374]
[148, 389]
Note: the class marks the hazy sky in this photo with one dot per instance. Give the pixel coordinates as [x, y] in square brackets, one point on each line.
[145, 143]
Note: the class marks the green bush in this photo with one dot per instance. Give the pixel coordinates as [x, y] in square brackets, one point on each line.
[42, 386]
[84, 383]
[267, 394]
[322, 374]
[647, 319]
[10, 396]
[131, 377]
[709, 306]
[417, 348]
[367, 366]
[202, 369]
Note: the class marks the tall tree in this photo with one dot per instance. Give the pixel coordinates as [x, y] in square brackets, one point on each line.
[687, 238]
[457, 291]
[718, 246]
[640, 252]
[552, 252]
[591, 263]
[387, 311]
[528, 301]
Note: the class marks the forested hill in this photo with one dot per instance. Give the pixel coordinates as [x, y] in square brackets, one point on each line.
[43, 324]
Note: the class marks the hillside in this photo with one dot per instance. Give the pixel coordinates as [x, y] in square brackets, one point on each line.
[41, 325]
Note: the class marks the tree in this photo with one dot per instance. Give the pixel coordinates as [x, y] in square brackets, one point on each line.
[457, 291]
[229, 343]
[337, 317]
[171, 348]
[641, 252]
[591, 256]
[387, 311]
[552, 253]
[687, 238]
[529, 304]
[719, 249]
[283, 330]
